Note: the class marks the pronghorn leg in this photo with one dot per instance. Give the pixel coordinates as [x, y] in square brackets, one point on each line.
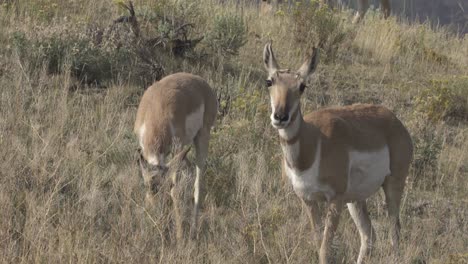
[147, 180]
[393, 189]
[315, 217]
[329, 3]
[331, 224]
[363, 5]
[175, 195]
[385, 6]
[201, 147]
[360, 215]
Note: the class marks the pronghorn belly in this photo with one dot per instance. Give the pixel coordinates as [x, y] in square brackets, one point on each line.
[367, 172]
[193, 124]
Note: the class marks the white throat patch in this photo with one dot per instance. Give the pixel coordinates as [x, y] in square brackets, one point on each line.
[306, 183]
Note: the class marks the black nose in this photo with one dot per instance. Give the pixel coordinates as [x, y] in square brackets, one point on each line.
[281, 117]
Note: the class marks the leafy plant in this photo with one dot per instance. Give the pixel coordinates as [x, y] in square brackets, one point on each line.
[228, 35]
[444, 98]
[316, 24]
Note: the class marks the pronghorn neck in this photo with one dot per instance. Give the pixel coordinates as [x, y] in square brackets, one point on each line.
[297, 140]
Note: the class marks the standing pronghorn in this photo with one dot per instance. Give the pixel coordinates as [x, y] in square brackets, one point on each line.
[266, 7]
[338, 155]
[181, 107]
[362, 7]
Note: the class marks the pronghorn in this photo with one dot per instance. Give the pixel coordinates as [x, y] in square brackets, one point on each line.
[266, 6]
[180, 107]
[362, 7]
[338, 155]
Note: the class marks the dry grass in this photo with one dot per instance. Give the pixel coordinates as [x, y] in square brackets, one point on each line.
[70, 189]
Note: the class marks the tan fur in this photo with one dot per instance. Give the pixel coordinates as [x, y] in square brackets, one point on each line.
[164, 111]
[340, 131]
[169, 101]
[268, 6]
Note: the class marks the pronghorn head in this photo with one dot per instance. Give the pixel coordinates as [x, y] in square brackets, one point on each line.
[155, 175]
[286, 87]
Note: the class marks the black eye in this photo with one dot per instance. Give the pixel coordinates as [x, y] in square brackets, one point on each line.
[269, 83]
[302, 87]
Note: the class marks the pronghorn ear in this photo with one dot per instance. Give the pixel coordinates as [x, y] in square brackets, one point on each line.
[309, 65]
[179, 157]
[269, 60]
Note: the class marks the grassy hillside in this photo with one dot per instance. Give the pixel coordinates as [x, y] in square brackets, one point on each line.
[70, 83]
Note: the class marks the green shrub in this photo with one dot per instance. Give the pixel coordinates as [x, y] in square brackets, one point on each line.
[418, 45]
[89, 60]
[317, 25]
[444, 98]
[228, 35]
[427, 148]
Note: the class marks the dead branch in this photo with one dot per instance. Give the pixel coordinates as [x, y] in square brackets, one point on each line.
[132, 19]
[176, 40]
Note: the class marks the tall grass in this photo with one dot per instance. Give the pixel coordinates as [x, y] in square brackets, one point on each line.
[70, 186]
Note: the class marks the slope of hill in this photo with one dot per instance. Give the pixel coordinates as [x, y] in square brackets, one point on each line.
[452, 13]
[71, 76]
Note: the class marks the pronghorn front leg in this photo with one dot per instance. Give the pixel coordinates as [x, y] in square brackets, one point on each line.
[201, 147]
[360, 215]
[315, 217]
[175, 195]
[331, 223]
[148, 179]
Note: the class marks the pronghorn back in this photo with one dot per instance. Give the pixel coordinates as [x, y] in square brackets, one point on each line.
[176, 106]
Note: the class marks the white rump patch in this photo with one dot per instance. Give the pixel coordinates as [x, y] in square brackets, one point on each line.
[141, 134]
[193, 123]
[306, 183]
[367, 172]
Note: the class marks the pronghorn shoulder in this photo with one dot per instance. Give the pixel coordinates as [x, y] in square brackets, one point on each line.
[345, 118]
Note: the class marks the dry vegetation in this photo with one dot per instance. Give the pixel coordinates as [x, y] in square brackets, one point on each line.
[70, 190]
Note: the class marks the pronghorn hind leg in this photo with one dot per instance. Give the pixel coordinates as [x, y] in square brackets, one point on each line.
[360, 215]
[363, 5]
[331, 224]
[201, 147]
[385, 6]
[393, 188]
[315, 217]
[329, 3]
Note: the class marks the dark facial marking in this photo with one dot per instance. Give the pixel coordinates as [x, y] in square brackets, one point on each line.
[302, 87]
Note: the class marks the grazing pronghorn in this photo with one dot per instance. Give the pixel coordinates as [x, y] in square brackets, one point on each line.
[362, 7]
[338, 155]
[181, 107]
